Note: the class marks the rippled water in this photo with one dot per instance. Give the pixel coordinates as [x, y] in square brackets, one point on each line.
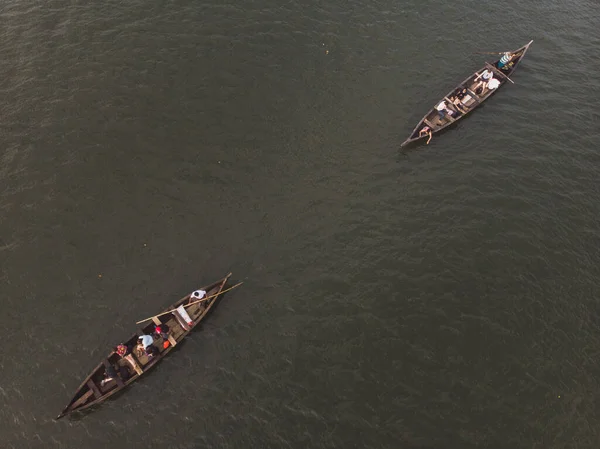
[439, 297]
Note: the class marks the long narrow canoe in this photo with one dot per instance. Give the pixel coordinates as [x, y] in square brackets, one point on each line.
[470, 101]
[94, 390]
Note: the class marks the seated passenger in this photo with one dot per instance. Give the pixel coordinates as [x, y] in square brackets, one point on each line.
[122, 350]
[458, 100]
[460, 93]
[161, 330]
[442, 110]
[124, 373]
[198, 294]
[109, 374]
[493, 83]
[151, 351]
[504, 60]
[485, 76]
[143, 342]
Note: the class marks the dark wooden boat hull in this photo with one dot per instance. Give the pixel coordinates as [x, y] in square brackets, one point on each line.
[436, 124]
[92, 392]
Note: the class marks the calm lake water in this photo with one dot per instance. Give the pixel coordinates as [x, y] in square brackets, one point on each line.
[441, 297]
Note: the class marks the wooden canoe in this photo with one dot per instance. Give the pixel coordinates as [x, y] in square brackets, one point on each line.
[433, 121]
[129, 368]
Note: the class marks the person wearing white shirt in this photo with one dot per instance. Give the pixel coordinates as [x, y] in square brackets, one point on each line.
[145, 344]
[198, 294]
[441, 108]
[493, 83]
[485, 76]
[145, 340]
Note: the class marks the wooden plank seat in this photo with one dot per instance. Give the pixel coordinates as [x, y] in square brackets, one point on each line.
[496, 71]
[473, 95]
[428, 123]
[83, 399]
[134, 363]
[92, 386]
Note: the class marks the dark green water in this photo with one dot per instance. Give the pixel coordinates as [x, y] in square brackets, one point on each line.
[440, 297]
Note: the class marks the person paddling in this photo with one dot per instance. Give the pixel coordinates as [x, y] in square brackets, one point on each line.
[505, 59]
[426, 131]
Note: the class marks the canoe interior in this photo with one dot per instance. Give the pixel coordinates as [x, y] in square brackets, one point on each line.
[128, 369]
[474, 93]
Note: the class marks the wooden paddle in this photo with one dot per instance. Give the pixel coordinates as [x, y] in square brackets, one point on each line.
[191, 303]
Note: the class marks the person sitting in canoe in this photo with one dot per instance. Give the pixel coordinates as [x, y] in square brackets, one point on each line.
[151, 351]
[458, 98]
[493, 83]
[122, 350]
[426, 131]
[124, 373]
[198, 294]
[109, 374]
[144, 341]
[485, 76]
[442, 109]
[504, 60]
[161, 330]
